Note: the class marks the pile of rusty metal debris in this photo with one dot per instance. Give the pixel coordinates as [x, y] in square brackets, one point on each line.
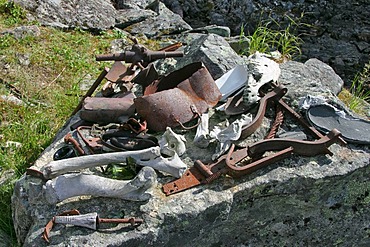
[116, 127]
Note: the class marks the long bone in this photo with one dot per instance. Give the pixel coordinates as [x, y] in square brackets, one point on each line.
[146, 157]
[71, 185]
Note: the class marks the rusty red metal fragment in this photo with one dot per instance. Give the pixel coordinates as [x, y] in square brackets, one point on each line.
[179, 98]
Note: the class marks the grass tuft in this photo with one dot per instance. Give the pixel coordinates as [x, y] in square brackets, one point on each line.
[270, 36]
[358, 94]
[12, 13]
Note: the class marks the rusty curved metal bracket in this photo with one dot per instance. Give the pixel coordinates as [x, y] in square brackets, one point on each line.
[275, 95]
[285, 147]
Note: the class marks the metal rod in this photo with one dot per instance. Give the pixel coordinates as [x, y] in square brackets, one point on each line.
[91, 90]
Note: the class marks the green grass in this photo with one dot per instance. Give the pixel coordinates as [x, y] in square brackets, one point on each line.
[359, 92]
[49, 87]
[271, 36]
[13, 13]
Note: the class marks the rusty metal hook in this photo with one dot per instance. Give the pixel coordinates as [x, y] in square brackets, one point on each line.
[196, 113]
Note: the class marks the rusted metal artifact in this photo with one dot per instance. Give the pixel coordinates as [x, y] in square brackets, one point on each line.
[252, 156]
[91, 221]
[178, 98]
[139, 55]
[104, 110]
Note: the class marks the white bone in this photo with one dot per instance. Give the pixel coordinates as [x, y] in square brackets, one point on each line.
[142, 157]
[171, 143]
[202, 138]
[85, 220]
[71, 185]
[173, 165]
[261, 70]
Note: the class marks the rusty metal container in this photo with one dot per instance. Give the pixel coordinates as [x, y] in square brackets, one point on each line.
[193, 92]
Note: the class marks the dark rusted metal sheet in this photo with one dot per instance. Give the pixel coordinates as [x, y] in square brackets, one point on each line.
[176, 102]
[166, 108]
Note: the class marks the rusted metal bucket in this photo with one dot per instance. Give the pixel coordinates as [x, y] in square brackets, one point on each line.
[181, 97]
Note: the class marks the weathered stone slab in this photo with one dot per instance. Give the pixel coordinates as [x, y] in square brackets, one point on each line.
[211, 49]
[312, 76]
[301, 200]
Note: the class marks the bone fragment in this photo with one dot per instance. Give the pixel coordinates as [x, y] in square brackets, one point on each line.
[71, 185]
[171, 143]
[202, 138]
[173, 165]
[146, 157]
[261, 70]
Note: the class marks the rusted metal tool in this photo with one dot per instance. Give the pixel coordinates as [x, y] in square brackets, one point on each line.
[202, 173]
[91, 221]
[252, 156]
[92, 89]
[273, 96]
[139, 55]
[68, 138]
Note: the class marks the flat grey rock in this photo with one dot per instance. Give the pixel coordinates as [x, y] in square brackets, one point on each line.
[317, 200]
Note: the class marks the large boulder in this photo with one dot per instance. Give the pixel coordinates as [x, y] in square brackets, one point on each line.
[211, 49]
[312, 76]
[149, 18]
[85, 14]
[158, 24]
[300, 200]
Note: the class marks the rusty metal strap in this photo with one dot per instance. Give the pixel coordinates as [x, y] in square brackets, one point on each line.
[273, 96]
